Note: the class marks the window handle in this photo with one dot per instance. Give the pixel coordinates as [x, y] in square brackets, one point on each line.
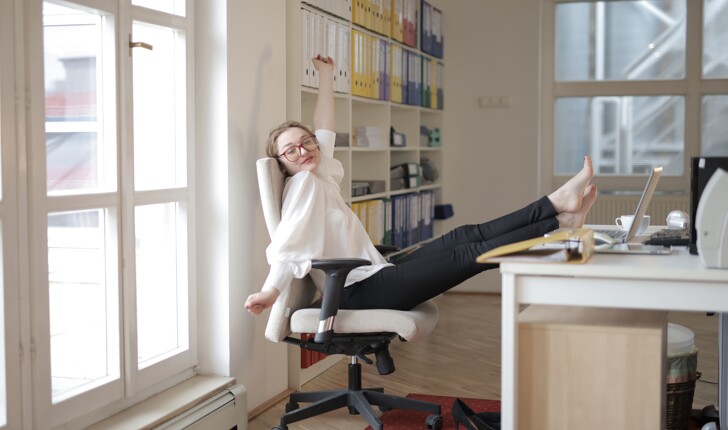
[139, 45]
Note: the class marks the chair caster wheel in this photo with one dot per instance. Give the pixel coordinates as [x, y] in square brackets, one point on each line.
[434, 422]
[291, 406]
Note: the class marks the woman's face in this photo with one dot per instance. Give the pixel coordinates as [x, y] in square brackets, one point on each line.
[292, 142]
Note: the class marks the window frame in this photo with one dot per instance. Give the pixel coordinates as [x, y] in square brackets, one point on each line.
[12, 250]
[133, 384]
[692, 88]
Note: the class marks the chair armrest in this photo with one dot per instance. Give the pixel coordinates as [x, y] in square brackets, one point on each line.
[336, 271]
[386, 249]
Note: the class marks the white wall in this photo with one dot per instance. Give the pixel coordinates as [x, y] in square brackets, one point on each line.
[241, 54]
[491, 49]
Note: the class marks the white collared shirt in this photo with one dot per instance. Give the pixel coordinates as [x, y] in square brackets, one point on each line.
[317, 224]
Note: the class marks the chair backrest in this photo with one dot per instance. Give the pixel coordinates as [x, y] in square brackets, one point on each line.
[302, 292]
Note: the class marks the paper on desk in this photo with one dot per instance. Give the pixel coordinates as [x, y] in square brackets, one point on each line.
[572, 246]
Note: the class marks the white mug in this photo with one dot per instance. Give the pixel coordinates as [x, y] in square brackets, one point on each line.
[625, 222]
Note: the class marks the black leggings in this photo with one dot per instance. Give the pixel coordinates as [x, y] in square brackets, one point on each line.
[447, 261]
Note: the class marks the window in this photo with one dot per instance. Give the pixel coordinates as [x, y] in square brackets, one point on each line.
[114, 204]
[176, 7]
[714, 128]
[80, 162]
[624, 83]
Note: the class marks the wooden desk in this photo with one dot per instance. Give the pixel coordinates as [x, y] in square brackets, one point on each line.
[666, 282]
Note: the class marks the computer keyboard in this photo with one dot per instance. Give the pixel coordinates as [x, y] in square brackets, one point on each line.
[670, 237]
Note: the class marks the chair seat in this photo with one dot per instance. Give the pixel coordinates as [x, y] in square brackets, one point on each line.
[410, 325]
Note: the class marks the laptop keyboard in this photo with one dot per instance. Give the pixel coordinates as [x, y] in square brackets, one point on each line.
[670, 236]
[617, 235]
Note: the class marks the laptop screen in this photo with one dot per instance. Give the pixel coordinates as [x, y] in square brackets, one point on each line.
[644, 202]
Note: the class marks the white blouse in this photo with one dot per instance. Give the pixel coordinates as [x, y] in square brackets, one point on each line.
[317, 224]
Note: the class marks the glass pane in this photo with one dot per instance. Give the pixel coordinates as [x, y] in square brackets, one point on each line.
[159, 109]
[80, 154]
[715, 34]
[176, 7]
[161, 267]
[620, 40]
[623, 135]
[715, 127]
[83, 301]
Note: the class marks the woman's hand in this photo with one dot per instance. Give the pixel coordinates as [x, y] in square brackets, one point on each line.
[258, 302]
[323, 64]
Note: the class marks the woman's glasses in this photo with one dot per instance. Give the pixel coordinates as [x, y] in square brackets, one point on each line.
[293, 153]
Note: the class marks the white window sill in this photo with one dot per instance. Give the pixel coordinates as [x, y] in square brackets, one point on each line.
[167, 404]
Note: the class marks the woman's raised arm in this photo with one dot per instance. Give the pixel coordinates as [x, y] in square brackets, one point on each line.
[323, 115]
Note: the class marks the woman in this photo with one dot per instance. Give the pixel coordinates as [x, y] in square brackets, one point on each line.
[316, 223]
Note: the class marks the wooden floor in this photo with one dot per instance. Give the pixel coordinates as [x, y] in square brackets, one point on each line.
[462, 358]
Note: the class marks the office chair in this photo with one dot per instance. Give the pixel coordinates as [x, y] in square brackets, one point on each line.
[355, 333]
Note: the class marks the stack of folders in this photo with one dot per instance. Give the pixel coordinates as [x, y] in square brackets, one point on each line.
[404, 21]
[413, 81]
[405, 175]
[325, 35]
[431, 37]
[568, 246]
[395, 71]
[370, 137]
[390, 72]
[412, 218]
[340, 8]
[406, 76]
[427, 203]
[370, 57]
[431, 84]
[439, 81]
[376, 217]
[376, 15]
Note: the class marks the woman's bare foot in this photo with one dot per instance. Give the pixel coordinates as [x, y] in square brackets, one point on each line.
[568, 197]
[576, 219]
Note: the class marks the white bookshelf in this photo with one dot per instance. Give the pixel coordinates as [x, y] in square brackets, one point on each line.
[362, 163]
[354, 111]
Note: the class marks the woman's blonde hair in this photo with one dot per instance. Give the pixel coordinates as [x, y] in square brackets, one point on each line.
[271, 146]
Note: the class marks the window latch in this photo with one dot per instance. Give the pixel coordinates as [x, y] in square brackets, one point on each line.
[139, 45]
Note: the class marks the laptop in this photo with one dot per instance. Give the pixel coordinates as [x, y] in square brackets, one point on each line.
[615, 241]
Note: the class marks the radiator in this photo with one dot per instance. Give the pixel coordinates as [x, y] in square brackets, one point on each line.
[225, 411]
[609, 207]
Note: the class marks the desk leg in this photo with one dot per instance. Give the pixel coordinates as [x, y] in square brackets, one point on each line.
[723, 370]
[509, 352]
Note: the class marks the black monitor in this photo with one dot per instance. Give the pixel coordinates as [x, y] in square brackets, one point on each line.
[701, 169]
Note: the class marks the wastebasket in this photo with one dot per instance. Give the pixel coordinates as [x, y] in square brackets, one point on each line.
[682, 364]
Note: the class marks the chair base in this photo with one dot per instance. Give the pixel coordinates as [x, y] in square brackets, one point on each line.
[358, 400]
